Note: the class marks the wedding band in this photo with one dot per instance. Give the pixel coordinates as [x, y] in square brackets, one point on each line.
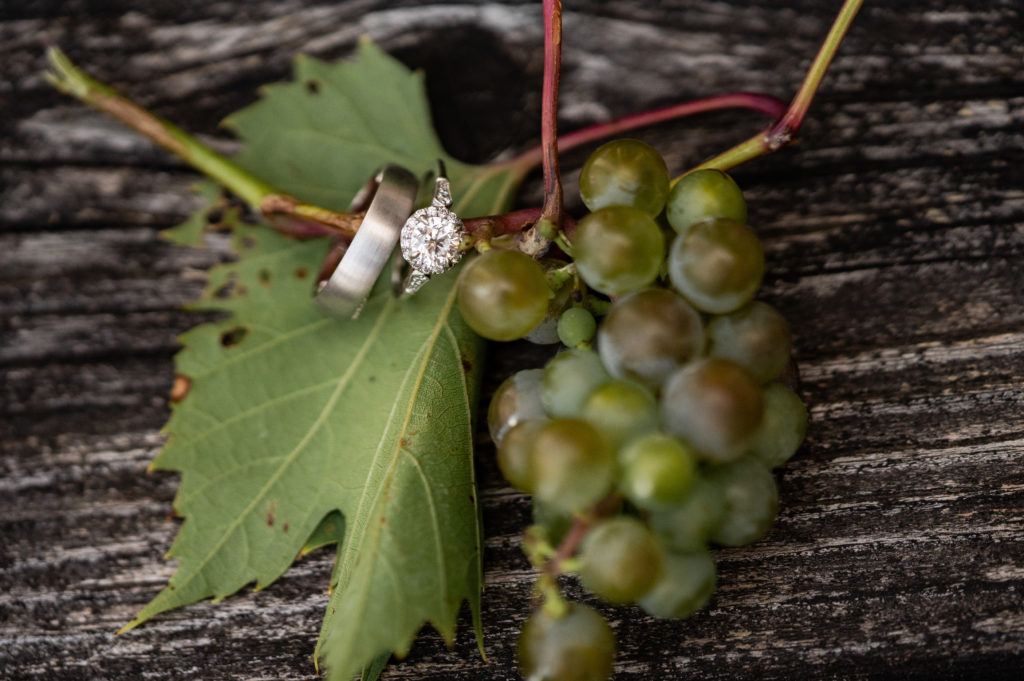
[432, 236]
[344, 291]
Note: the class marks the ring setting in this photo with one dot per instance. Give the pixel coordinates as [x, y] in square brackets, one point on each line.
[432, 237]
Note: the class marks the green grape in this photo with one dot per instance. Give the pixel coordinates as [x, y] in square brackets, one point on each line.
[648, 335]
[576, 646]
[751, 501]
[546, 331]
[618, 250]
[575, 326]
[755, 336]
[515, 457]
[686, 584]
[688, 526]
[572, 465]
[568, 380]
[715, 405]
[621, 410]
[619, 560]
[658, 471]
[783, 427]
[704, 194]
[516, 399]
[625, 172]
[503, 294]
[717, 265]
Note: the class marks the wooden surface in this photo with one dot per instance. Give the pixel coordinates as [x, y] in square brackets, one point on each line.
[895, 242]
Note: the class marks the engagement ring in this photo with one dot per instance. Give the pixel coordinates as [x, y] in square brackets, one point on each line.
[432, 237]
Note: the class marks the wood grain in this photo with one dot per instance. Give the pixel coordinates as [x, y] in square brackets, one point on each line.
[895, 239]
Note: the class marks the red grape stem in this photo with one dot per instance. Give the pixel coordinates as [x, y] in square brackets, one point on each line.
[581, 524]
[783, 131]
[756, 101]
[553, 201]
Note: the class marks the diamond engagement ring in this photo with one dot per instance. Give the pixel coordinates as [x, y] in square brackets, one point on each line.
[344, 291]
[432, 236]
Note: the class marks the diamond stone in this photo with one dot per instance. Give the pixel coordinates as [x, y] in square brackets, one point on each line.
[431, 240]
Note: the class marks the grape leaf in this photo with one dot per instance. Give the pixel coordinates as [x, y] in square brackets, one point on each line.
[292, 416]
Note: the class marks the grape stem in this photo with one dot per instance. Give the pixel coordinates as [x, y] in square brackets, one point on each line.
[554, 204]
[756, 101]
[581, 524]
[783, 131]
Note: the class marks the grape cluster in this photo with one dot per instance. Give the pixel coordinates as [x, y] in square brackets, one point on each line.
[656, 430]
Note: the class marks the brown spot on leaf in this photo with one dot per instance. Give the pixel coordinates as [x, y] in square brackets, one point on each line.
[179, 390]
[271, 510]
[249, 242]
[301, 273]
[214, 216]
[405, 443]
[285, 527]
[241, 290]
[313, 86]
[467, 365]
[264, 276]
[225, 290]
[233, 336]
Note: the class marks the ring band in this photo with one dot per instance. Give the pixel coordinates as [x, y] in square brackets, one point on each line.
[345, 290]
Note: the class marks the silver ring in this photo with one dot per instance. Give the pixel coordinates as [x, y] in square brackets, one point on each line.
[344, 291]
[432, 236]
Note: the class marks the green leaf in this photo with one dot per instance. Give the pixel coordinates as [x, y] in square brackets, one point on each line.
[292, 416]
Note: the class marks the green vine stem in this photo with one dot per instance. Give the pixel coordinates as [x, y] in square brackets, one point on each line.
[783, 132]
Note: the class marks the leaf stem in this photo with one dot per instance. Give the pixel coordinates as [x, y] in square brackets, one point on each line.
[286, 213]
[553, 202]
[783, 131]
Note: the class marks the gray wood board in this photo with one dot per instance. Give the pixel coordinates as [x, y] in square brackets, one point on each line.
[895, 242]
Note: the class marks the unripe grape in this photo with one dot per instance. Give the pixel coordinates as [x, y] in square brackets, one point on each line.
[572, 465]
[575, 326]
[755, 336]
[625, 172]
[714, 405]
[503, 294]
[751, 501]
[515, 458]
[577, 646]
[619, 560]
[516, 399]
[688, 526]
[648, 335]
[568, 380]
[620, 411]
[686, 584]
[783, 427]
[717, 265]
[658, 471]
[704, 194]
[618, 250]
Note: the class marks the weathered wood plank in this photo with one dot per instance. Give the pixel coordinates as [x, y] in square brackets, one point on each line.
[895, 238]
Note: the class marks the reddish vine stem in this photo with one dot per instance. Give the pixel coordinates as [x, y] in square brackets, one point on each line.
[553, 202]
[756, 101]
[581, 524]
